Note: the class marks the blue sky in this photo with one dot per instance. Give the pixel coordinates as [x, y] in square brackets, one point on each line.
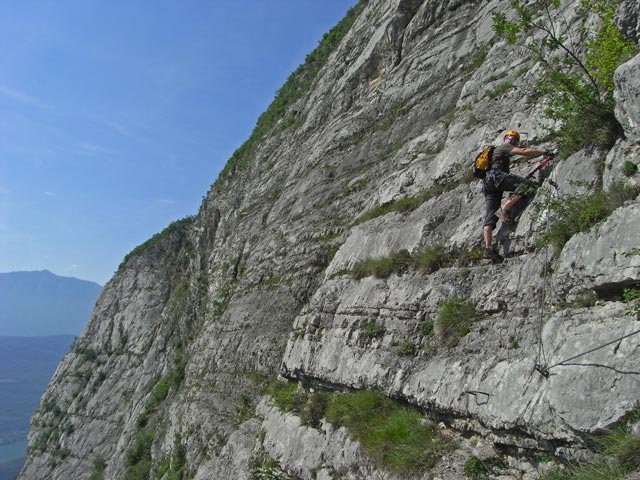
[116, 116]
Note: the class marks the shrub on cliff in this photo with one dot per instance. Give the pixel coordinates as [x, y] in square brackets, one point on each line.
[619, 451]
[454, 320]
[397, 263]
[578, 82]
[427, 261]
[288, 397]
[178, 228]
[139, 456]
[409, 204]
[394, 436]
[571, 214]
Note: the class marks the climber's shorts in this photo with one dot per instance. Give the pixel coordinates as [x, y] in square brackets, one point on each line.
[495, 183]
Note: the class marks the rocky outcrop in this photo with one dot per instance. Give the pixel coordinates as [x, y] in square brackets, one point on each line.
[168, 378]
[628, 98]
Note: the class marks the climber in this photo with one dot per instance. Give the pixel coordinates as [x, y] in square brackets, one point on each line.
[499, 180]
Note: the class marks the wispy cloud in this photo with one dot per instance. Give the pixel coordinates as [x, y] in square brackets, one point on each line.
[49, 194]
[94, 150]
[22, 97]
[166, 201]
[72, 268]
[127, 131]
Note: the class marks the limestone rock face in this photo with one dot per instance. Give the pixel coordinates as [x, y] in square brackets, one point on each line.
[628, 98]
[168, 378]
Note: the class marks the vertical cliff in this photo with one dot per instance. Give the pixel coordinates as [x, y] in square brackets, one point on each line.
[168, 379]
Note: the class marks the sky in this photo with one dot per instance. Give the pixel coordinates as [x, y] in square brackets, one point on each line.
[116, 116]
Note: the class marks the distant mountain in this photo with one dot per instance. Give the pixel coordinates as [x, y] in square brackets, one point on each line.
[9, 470]
[26, 366]
[41, 303]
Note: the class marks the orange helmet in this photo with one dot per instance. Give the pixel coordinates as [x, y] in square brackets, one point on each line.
[513, 133]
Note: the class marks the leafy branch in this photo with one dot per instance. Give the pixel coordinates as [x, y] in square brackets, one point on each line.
[579, 75]
[551, 40]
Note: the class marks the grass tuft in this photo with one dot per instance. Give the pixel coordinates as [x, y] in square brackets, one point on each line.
[397, 263]
[454, 321]
[620, 450]
[408, 204]
[572, 214]
[288, 397]
[629, 168]
[394, 436]
[374, 330]
[426, 261]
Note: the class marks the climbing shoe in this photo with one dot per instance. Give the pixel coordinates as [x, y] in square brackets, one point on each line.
[492, 255]
[504, 215]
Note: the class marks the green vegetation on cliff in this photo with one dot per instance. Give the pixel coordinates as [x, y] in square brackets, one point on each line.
[139, 460]
[575, 213]
[619, 452]
[426, 261]
[395, 436]
[578, 82]
[179, 227]
[409, 204]
[454, 320]
[298, 83]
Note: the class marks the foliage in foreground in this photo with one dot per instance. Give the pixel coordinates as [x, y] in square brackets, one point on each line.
[268, 469]
[393, 435]
[138, 458]
[476, 469]
[578, 84]
[571, 214]
[620, 450]
[632, 297]
[172, 467]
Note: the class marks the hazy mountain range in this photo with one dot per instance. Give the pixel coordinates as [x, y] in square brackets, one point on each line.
[41, 303]
[40, 315]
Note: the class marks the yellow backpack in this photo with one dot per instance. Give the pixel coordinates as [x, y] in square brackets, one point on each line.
[482, 163]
